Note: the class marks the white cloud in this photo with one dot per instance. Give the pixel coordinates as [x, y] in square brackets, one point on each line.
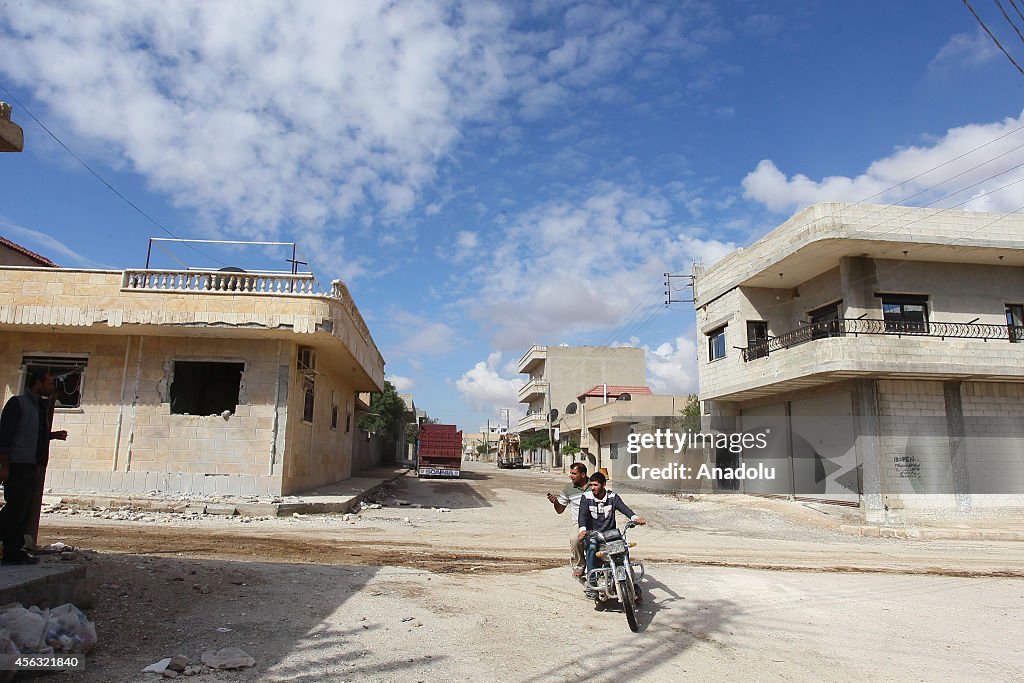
[566, 268]
[46, 246]
[466, 244]
[963, 51]
[968, 168]
[307, 116]
[672, 367]
[420, 337]
[485, 390]
[401, 384]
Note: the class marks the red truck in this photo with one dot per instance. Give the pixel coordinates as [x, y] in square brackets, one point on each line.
[439, 449]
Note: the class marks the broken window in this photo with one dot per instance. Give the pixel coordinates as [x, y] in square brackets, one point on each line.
[348, 416]
[334, 410]
[205, 387]
[307, 402]
[68, 373]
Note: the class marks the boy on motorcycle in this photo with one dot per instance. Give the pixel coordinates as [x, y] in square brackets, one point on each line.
[597, 514]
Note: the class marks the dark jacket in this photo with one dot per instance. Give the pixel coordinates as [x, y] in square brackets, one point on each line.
[599, 515]
[24, 436]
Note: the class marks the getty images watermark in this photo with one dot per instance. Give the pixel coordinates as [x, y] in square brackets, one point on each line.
[677, 442]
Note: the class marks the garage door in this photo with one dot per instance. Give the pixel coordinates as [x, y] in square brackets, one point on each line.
[824, 448]
[770, 419]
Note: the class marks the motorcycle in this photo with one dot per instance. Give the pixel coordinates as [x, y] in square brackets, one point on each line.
[617, 577]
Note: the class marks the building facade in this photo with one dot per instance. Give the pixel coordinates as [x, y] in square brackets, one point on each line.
[880, 347]
[190, 381]
[557, 375]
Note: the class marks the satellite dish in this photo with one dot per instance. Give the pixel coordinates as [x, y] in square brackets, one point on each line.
[553, 415]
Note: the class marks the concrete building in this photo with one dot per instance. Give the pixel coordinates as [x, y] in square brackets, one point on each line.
[557, 375]
[12, 137]
[191, 381]
[881, 347]
[12, 254]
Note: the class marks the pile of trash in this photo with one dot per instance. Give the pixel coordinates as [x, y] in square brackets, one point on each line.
[61, 630]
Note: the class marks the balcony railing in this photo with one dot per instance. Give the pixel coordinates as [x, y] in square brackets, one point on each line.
[225, 282]
[898, 328]
[217, 282]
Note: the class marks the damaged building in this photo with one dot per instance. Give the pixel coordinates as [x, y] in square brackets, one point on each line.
[189, 381]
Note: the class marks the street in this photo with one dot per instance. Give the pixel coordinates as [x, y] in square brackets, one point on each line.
[478, 589]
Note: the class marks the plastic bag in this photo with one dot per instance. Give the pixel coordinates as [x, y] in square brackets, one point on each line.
[26, 628]
[68, 631]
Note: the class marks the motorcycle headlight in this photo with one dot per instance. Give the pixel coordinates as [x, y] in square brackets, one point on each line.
[614, 547]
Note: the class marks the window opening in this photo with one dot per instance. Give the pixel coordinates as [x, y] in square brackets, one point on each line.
[757, 339]
[68, 374]
[307, 402]
[1015, 322]
[205, 387]
[716, 344]
[905, 313]
[825, 321]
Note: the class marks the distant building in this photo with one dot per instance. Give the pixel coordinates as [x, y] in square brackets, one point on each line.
[12, 254]
[557, 375]
[883, 345]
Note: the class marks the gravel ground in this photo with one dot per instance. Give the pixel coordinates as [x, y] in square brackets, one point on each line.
[472, 584]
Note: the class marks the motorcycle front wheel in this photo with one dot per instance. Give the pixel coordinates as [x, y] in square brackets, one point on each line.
[628, 603]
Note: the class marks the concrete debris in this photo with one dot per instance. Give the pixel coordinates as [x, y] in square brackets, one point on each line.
[402, 503]
[178, 663]
[168, 673]
[228, 658]
[157, 667]
[69, 556]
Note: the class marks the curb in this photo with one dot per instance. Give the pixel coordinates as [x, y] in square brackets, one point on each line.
[916, 533]
[219, 507]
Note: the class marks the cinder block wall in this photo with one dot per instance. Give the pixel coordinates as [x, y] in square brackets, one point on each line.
[316, 454]
[913, 421]
[155, 450]
[91, 429]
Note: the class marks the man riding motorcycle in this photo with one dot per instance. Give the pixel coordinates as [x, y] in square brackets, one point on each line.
[597, 515]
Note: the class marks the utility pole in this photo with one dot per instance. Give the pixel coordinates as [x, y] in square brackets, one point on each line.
[487, 440]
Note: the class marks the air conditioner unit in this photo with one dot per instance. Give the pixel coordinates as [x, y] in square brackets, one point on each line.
[307, 359]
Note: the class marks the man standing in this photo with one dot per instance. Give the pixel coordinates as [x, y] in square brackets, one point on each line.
[569, 497]
[597, 514]
[24, 449]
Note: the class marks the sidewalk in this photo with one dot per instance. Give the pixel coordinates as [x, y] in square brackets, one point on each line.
[339, 497]
[815, 516]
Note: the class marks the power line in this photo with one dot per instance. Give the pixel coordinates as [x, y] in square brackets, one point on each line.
[1017, 9]
[98, 176]
[1009, 20]
[994, 39]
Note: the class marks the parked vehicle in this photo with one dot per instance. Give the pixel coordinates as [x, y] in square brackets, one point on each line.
[510, 455]
[616, 577]
[439, 451]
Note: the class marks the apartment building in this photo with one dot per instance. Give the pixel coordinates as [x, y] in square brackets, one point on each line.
[190, 381]
[558, 375]
[880, 346]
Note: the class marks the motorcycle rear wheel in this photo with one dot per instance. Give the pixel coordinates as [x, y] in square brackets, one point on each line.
[628, 603]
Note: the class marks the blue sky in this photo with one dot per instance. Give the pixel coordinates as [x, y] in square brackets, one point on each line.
[489, 175]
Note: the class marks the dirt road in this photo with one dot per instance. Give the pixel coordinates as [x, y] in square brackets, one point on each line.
[475, 589]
